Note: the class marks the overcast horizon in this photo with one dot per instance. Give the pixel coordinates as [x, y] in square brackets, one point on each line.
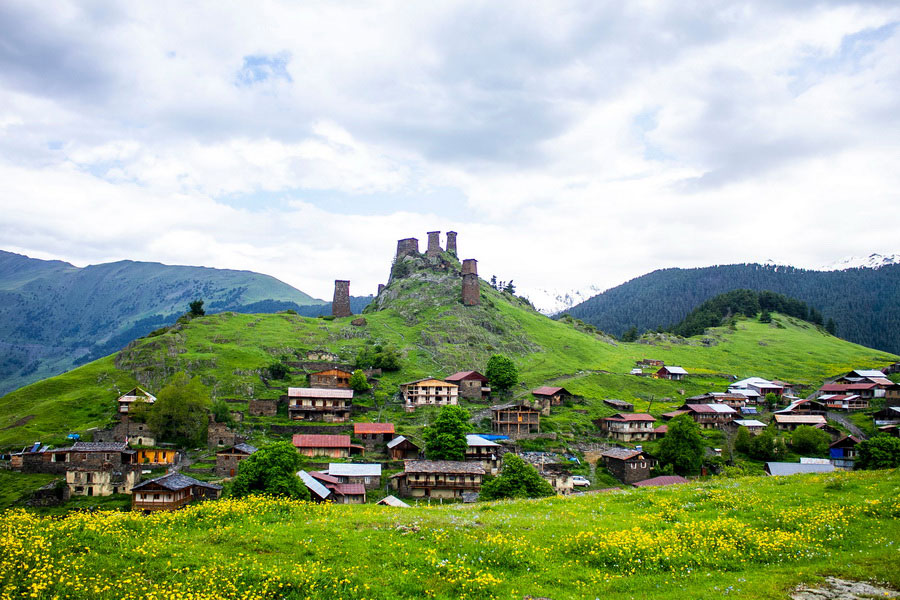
[570, 145]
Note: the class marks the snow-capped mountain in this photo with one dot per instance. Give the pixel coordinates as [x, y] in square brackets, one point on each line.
[550, 302]
[873, 261]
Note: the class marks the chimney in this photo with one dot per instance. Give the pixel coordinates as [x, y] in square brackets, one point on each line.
[434, 243]
[340, 306]
[451, 242]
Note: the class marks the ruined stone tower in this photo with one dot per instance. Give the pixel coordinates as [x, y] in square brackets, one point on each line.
[407, 247]
[434, 243]
[340, 306]
[471, 295]
[451, 242]
[380, 288]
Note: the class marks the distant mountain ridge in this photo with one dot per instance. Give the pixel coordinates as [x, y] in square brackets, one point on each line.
[864, 302]
[54, 315]
[872, 261]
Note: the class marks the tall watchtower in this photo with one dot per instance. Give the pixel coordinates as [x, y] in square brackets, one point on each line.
[471, 294]
[340, 305]
[434, 243]
[407, 246]
[451, 242]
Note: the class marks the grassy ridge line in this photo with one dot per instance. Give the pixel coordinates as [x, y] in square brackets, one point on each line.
[226, 349]
[751, 538]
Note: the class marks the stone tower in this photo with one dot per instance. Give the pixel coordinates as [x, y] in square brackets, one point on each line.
[471, 295]
[407, 246]
[380, 288]
[434, 243]
[340, 306]
[451, 242]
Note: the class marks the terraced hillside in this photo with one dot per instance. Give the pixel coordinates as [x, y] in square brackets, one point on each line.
[420, 314]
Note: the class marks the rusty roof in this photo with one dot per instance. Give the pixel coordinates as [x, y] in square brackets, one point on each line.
[324, 477]
[630, 417]
[320, 441]
[348, 489]
[546, 390]
[373, 428]
[662, 480]
[466, 375]
[801, 419]
[847, 387]
[319, 393]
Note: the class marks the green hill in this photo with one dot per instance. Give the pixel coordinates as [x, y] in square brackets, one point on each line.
[54, 316]
[747, 538]
[421, 315]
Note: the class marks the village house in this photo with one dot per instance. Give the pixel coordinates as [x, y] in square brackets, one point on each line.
[341, 493]
[892, 395]
[866, 391]
[732, 399]
[127, 430]
[126, 401]
[846, 402]
[228, 459]
[333, 446]
[317, 491]
[515, 419]
[619, 405]
[438, 478]
[757, 386]
[156, 457]
[392, 501]
[707, 416]
[890, 430]
[472, 384]
[94, 455]
[627, 427]
[889, 415]
[551, 396]
[843, 452]
[320, 404]
[170, 492]
[650, 362]
[628, 465]
[367, 475]
[219, 435]
[330, 378]
[792, 422]
[753, 426]
[803, 407]
[559, 477]
[373, 435]
[101, 481]
[401, 448]
[262, 407]
[862, 376]
[484, 451]
[672, 373]
[429, 392]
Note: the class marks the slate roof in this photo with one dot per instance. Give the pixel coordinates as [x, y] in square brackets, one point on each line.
[662, 480]
[621, 453]
[242, 447]
[373, 428]
[442, 466]
[320, 393]
[320, 441]
[176, 481]
[781, 468]
[354, 470]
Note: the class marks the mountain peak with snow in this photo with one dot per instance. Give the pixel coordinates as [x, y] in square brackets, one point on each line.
[872, 261]
[551, 302]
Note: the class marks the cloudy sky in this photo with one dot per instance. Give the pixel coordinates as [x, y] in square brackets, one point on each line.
[571, 144]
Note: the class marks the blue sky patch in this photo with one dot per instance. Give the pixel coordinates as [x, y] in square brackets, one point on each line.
[261, 67]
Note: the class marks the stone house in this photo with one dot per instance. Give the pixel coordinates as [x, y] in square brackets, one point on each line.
[373, 435]
[627, 427]
[93, 455]
[170, 492]
[672, 373]
[127, 430]
[320, 404]
[262, 408]
[99, 481]
[515, 419]
[228, 459]
[402, 448]
[484, 451]
[219, 435]
[127, 400]
[628, 465]
[333, 446]
[331, 379]
[438, 478]
[367, 475]
[472, 384]
[559, 477]
[551, 396]
[429, 392]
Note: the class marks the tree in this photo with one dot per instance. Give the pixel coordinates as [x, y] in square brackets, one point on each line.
[358, 381]
[509, 288]
[196, 308]
[179, 414]
[222, 413]
[831, 326]
[766, 446]
[277, 370]
[771, 400]
[742, 440]
[518, 479]
[630, 335]
[445, 439]
[765, 316]
[502, 372]
[494, 281]
[809, 440]
[880, 452]
[682, 446]
[271, 470]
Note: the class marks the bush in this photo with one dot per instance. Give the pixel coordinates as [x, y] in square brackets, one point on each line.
[518, 479]
[358, 381]
[880, 452]
[277, 370]
[809, 440]
[682, 447]
[501, 372]
[271, 470]
[445, 439]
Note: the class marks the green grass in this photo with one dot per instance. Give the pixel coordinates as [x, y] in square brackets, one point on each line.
[17, 487]
[748, 538]
[436, 335]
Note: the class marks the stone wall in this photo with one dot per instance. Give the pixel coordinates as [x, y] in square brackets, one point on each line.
[263, 408]
[218, 435]
[340, 306]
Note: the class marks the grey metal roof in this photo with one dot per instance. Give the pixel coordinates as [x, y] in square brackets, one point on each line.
[676, 370]
[399, 439]
[749, 423]
[781, 468]
[320, 393]
[313, 484]
[354, 470]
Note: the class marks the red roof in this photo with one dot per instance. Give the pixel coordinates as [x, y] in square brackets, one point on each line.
[324, 477]
[466, 375]
[663, 480]
[545, 390]
[373, 428]
[630, 417]
[348, 489]
[846, 387]
[321, 441]
[881, 381]
[661, 429]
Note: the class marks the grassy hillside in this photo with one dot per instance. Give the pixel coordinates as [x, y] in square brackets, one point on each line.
[421, 316]
[751, 538]
[54, 315]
